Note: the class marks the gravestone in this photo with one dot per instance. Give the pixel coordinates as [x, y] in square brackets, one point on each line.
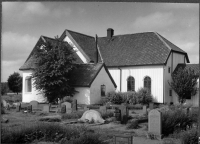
[46, 108]
[29, 108]
[18, 108]
[68, 107]
[122, 139]
[86, 108]
[34, 104]
[63, 108]
[74, 105]
[144, 109]
[154, 123]
[124, 114]
[151, 106]
[4, 103]
[102, 108]
[90, 115]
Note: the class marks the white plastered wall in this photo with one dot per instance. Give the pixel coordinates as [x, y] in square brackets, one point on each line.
[139, 73]
[83, 95]
[101, 79]
[115, 73]
[34, 94]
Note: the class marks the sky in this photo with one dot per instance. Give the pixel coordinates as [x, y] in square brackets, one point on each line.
[24, 22]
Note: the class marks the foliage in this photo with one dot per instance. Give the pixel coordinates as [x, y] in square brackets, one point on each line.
[51, 76]
[2, 108]
[67, 99]
[74, 115]
[106, 114]
[128, 97]
[136, 106]
[144, 96]
[49, 133]
[115, 98]
[133, 124]
[12, 98]
[50, 119]
[184, 83]
[4, 88]
[173, 120]
[15, 82]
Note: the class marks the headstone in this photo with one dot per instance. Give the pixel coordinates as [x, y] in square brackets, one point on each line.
[68, 107]
[154, 123]
[122, 139]
[74, 105]
[86, 108]
[90, 115]
[124, 114]
[34, 104]
[4, 103]
[18, 108]
[151, 106]
[63, 108]
[46, 108]
[29, 108]
[102, 108]
[144, 109]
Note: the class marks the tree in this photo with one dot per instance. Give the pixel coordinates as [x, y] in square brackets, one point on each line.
[15, 82]
[4, 88]
[184, 83]
[51, 75]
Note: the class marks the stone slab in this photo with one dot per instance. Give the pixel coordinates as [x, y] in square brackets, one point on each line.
[90, 115]
[34, 104]
[122, 139]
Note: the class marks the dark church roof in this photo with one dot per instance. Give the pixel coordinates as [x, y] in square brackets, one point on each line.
[31, 60]
[147, 48]
[194, 67]
[84, 74]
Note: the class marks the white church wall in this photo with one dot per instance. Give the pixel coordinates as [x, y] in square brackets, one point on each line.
[101, 79]
[34, 94]
[115, 73]
[83, 95]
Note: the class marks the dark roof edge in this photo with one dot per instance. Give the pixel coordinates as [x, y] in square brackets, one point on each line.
[110, 75]
[136, 65]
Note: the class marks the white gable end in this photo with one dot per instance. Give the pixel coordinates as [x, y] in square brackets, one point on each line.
[67, 39]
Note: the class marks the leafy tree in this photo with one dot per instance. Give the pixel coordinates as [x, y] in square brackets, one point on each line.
[4, 88]
[15, 82]
[51, 75]
[184, 83]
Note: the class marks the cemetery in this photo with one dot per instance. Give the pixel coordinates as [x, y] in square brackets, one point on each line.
[110, 123]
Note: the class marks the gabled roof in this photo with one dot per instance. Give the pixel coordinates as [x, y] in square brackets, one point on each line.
[31, 60]
[194, 67]
[85, 42]
[84, 74]
[147, 48]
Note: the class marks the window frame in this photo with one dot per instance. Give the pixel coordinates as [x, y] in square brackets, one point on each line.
[148, 82]
[131, 79]
[28, 84]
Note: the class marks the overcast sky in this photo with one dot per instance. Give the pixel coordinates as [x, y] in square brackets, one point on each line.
[24, 22]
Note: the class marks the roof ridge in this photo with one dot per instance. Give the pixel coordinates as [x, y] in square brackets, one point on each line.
[162, 40]
[128, 34]
[79, 33]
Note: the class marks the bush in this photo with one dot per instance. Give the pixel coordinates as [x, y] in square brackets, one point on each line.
[115, 98]
[175, 120]
[106, 114]
[74, 115]
[2, 108]
[67, 99]
[50, 133]
[133, 124]
[144, 96]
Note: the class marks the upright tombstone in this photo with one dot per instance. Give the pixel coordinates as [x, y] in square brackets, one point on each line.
[74, 105]
[46, 108]
[29, 108]
[154, 123]
[102, 108]
[124, 114]
[34, 104]
[68, 107]
[151, 106]
[18, 108]
[144, 109]
[63, 108]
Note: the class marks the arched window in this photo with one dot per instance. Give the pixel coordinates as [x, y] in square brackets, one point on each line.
[147, 82]
[28, 84]
[130, 84]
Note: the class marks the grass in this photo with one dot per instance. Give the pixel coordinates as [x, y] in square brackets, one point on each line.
[73, 115]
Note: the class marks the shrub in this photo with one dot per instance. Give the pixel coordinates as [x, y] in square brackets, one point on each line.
[106, 114]
[52, 119]
[133, 124]
[144, 96]
[67, 99]
[175, 120]
[74, 115]
[115, 98]
[2, 108]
